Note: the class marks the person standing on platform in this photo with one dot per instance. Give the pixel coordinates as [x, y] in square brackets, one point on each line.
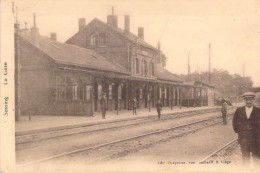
[159, 108]
[224, 112]
[246, 122]
[134, 106]
[103, 103]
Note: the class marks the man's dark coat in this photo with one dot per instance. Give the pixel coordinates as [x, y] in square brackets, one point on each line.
[239, 121]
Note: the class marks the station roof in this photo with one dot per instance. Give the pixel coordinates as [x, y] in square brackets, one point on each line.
[68, 54]
[164, 74]
[198, 83]
[74, 55]
[191, 83]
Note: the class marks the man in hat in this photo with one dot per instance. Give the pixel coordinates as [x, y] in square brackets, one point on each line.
[103, 104]
[246, 122]
[134, 106]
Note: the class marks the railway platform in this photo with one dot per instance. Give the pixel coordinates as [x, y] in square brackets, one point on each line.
[38, 123]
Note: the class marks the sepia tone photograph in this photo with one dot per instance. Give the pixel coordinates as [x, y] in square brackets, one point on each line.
[130, 86]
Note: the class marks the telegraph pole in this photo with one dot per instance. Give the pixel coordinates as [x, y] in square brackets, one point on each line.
[243, 69]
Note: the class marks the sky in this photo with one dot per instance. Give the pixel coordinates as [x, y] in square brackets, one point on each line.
[232, 27]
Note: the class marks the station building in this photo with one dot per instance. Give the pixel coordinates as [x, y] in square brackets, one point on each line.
[69, 78]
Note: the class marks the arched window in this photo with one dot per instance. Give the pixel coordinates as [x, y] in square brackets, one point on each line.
[137, 66]
[152, 68]
[97, 39]
[102, 39]
[92, 39]
[79, 90]
[69, 89]
[145, 68]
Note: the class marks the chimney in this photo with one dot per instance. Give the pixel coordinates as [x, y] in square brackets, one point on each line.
[35, 31]
[141, 32]
[82, 23]
[127, 23]
[115, 23]
[112, 19]
[34, 20]
[53, 36]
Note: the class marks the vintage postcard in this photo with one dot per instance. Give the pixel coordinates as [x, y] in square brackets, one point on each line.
[130, 86]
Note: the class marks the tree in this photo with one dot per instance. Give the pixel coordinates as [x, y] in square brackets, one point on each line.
[232, 86]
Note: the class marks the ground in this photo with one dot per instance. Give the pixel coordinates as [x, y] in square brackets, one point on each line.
[178, 155]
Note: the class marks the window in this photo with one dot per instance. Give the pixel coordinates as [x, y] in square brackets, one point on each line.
[97, 39]
[69, 89]
[75, 92]
[145, 68]
[65, 89]
[69, 93]
[152, 68]
[68, 81]
[119, 92]
[102, 39]
[92, 40]
[141, 93]
[62, 93]
[123, 92]
[166, 93]
[137, 66]
[80, 92]
[53, 96]
[99, 91]
[61, 79]
[88, 92]
[110, 92]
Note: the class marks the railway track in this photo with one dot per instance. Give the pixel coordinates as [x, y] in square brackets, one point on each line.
[34, 136]
[224, 150]
[119, 148]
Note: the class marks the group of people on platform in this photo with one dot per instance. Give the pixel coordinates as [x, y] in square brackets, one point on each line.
[103, 104]
[158, 107]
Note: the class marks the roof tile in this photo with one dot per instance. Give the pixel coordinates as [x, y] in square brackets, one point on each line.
[66, 53]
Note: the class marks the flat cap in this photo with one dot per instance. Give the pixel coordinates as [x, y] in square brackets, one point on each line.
[248, 94]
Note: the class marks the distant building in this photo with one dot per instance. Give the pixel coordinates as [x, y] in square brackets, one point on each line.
[255, 89]
[198, 94]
